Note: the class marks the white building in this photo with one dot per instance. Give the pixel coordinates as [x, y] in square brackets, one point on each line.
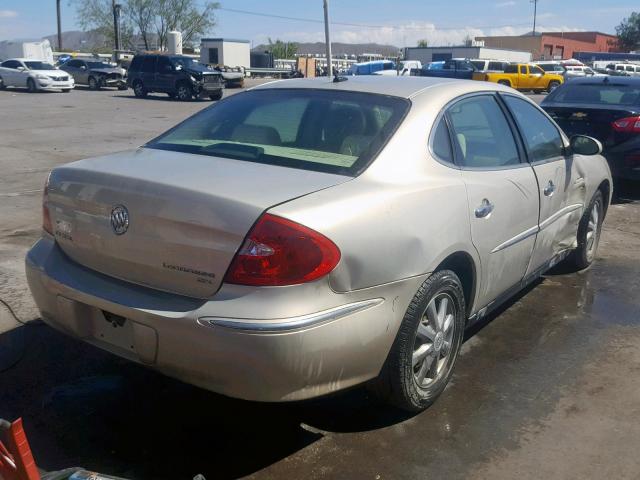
[225, 51]
[437, 54]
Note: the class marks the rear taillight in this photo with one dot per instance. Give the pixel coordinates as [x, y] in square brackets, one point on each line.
[46, 217]
[278, 251]
[627, 125]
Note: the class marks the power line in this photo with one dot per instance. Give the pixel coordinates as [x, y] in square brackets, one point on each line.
[360, 25]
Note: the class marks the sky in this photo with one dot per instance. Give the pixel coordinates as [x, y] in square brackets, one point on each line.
[396, 22]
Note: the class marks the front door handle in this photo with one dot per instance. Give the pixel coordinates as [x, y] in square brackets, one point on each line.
[549, 189]
[485, 208]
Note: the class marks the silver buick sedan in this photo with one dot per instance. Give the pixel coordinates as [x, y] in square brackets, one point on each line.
[306, 236]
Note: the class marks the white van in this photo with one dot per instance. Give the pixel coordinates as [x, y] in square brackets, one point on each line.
[629, 68]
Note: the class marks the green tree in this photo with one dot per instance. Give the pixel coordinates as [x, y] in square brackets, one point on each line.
[146, 18]
[281, 49]
[424, 43]
[629, 32]
[97, 15]
[185, 16]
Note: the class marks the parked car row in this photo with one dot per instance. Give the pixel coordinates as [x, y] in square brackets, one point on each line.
[178, 76]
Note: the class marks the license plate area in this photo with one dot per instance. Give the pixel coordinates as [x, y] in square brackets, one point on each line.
[115, 330]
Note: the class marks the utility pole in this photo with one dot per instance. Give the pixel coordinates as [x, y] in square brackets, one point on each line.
[59, 26]
[327, 39]
[116, 22]
[535, 14]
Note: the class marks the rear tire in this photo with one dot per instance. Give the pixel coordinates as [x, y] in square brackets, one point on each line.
[31, 85]
[553, 84]
[426, 347]
[506, 83]
[66, 90]
[139, 90]
[2, 84]
[589, 230]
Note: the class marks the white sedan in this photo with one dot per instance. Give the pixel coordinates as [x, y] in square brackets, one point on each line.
[34, 75]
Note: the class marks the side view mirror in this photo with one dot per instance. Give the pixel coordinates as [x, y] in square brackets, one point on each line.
[21, 69]
[583, 145]
[83, 67]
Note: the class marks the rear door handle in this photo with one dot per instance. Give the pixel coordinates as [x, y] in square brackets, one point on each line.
[549, 189]
[485, 208]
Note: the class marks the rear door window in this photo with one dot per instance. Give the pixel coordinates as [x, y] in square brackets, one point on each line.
[136, 63]
[482, 134]
[441, 142]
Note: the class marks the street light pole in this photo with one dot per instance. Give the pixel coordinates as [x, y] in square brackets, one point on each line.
[116, 22]
[59, 26]
[535, 14]
[327, 39]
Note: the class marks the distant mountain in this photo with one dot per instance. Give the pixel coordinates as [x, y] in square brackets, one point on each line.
[77, 40]
[337, 48]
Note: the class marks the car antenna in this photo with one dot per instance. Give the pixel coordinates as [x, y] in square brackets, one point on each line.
[337, 78]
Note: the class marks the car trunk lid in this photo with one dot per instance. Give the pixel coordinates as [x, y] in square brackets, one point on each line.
[187, 214]
[597, 122]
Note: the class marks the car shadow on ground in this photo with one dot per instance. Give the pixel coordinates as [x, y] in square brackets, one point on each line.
[626, 191]
[161, 97]
[85, 407]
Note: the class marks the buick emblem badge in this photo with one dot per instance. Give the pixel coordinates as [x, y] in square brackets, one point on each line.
[119, 219]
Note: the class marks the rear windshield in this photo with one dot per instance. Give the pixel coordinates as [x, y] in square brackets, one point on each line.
[329, 131]
[597, 94]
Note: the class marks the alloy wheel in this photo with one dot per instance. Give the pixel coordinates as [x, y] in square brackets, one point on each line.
[593, 230]
[183, 93]
[434, 340]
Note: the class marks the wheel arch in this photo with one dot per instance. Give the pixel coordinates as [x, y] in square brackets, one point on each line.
[605, 188]
[463, 265]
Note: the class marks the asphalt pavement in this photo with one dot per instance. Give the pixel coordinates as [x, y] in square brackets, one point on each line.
[547, 387]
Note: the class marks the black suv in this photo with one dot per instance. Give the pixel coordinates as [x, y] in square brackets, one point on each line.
[178, 76]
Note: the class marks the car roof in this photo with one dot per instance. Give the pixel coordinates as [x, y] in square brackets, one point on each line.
[405, 87]
[634, 81]
[26, 60]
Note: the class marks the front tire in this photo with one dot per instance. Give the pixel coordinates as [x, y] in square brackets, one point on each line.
[216, 96]
[506, 83]
[589, 230]
[184, 93]
[122, 87]
[31, 85]
[94, 84]
[426, 347]
[2, 84]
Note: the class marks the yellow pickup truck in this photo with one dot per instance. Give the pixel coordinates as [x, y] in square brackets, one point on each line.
[522, 76]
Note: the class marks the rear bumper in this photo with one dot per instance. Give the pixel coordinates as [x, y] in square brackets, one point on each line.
[265, 357]
[625, 164]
